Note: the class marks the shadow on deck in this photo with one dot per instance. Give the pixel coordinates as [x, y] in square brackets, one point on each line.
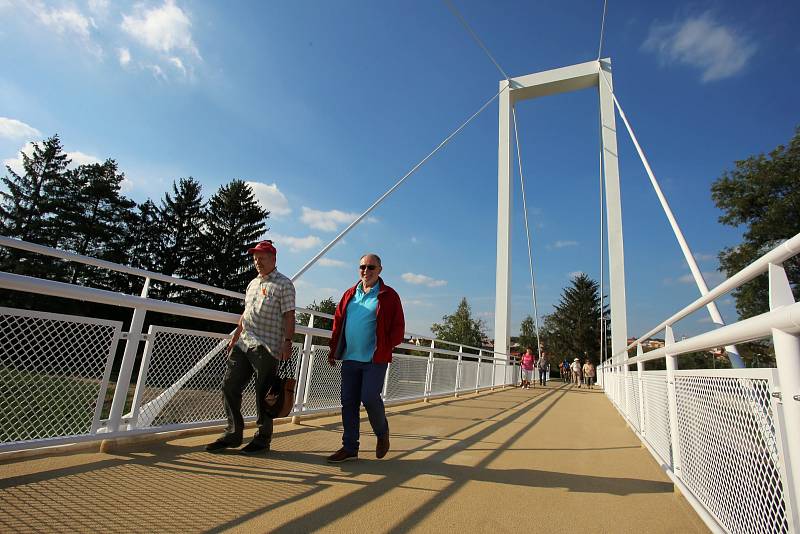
[555, 459]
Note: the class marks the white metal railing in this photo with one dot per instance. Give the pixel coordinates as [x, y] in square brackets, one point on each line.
[729, 438]
[56, 370]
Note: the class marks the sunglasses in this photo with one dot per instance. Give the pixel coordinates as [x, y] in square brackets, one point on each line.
[367, 267]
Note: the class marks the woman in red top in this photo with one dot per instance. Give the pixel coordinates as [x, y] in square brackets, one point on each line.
[527, 368]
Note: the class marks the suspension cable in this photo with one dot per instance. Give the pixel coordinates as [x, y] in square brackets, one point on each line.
[383, 197]
[527, 233]
[602, 29]
[477, 39]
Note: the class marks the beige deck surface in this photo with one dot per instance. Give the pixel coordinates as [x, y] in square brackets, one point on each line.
[557, 459]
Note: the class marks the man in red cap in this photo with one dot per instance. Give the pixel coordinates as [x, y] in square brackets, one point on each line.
[262, 339]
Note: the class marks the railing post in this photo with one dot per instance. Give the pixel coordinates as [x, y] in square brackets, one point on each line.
[787, 358]
[478, 376]
[672, 366]
[458, 370]
[305, 366]
[429, 373]
[126, 369]
[639, 375]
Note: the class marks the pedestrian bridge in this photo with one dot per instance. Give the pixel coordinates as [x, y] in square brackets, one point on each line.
[102, 428]
[555, 459]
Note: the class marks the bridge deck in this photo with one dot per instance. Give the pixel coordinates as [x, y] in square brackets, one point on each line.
[555, 459]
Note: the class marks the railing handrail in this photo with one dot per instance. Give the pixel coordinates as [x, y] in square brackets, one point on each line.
[777, 255]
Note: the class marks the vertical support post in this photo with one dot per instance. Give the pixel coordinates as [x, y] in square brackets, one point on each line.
[672, 403]
[305, 361]
[639, 375]
[458, 371]
[502, 310]
[126, 369]
[616, 253]
[386, 380]
[429, 372]
[787, 357]
[478, 375]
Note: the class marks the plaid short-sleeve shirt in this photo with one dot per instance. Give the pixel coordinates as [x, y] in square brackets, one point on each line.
[266, 300]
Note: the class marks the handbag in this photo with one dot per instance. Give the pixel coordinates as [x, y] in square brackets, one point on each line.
[280, 397]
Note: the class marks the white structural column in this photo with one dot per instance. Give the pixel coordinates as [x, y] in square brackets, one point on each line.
[502, 332]
[562, 80]
[616, 253]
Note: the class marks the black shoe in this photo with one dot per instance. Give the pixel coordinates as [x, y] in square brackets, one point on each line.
[219, 445]
[342, 455]
[255, 448]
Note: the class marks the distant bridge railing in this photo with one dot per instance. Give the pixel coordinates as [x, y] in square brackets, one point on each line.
[729, 438]
[57, 382]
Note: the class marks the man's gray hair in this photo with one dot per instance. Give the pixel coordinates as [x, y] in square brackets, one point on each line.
[373, 255]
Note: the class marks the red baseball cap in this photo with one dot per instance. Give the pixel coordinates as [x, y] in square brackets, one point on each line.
[264, 246]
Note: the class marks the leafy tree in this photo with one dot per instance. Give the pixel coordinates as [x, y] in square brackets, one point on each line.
[527, 335]
[327, 305]
[573, 329]
[233, 221]
[761, 194]
[460, 328]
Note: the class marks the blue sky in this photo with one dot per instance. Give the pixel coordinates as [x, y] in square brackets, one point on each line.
[324, 105]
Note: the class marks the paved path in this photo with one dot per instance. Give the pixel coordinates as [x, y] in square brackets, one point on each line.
[555, 459]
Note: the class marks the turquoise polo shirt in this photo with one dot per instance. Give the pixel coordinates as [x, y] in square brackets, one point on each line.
[359, 326]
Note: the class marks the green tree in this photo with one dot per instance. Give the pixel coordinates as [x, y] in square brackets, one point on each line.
[527, 335]
[181, 249]
[573, 329]
[460, 328]
[327, 305]
[762, 195]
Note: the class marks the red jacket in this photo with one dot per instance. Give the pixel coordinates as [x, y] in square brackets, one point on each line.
[390, 324]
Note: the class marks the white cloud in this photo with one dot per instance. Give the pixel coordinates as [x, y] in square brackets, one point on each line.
[124, 56]
[328, 262]
[701, 42]
[575, 274]
[98, 7]
[178, 64]
[414, 239]
[77, 157]
[712, 278]
[327, 221]
[68, 22]
[562, 244]
[158, 72]
[421, 279]
[14, 129]
[699, 256]
[295, 244]
[271, 198]
[164, 29]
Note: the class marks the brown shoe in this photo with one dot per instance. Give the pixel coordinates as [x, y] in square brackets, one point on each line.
[382, 447]
[342, 455]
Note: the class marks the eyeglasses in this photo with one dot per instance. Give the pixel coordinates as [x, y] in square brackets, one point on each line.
[367, 267]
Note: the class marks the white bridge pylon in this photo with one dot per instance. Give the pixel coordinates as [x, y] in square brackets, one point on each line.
[556, 81]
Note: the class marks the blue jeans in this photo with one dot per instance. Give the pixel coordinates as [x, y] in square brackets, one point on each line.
[362, 383]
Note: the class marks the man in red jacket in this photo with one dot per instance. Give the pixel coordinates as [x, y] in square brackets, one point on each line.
[367, 325]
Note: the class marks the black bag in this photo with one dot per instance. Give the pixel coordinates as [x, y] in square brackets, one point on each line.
[280, 397]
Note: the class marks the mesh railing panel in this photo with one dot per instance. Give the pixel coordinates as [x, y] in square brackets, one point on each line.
[325, 382]
[176, 355]
[469, 376]
[726, 430]
[53, 373]
[443, 379]
[656, 414]
[486, 374]
[633, 400]
[406, 377]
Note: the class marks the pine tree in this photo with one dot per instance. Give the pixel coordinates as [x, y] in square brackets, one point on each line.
[26, 206]
[234, 221]
[573, 329]
[181, 248]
